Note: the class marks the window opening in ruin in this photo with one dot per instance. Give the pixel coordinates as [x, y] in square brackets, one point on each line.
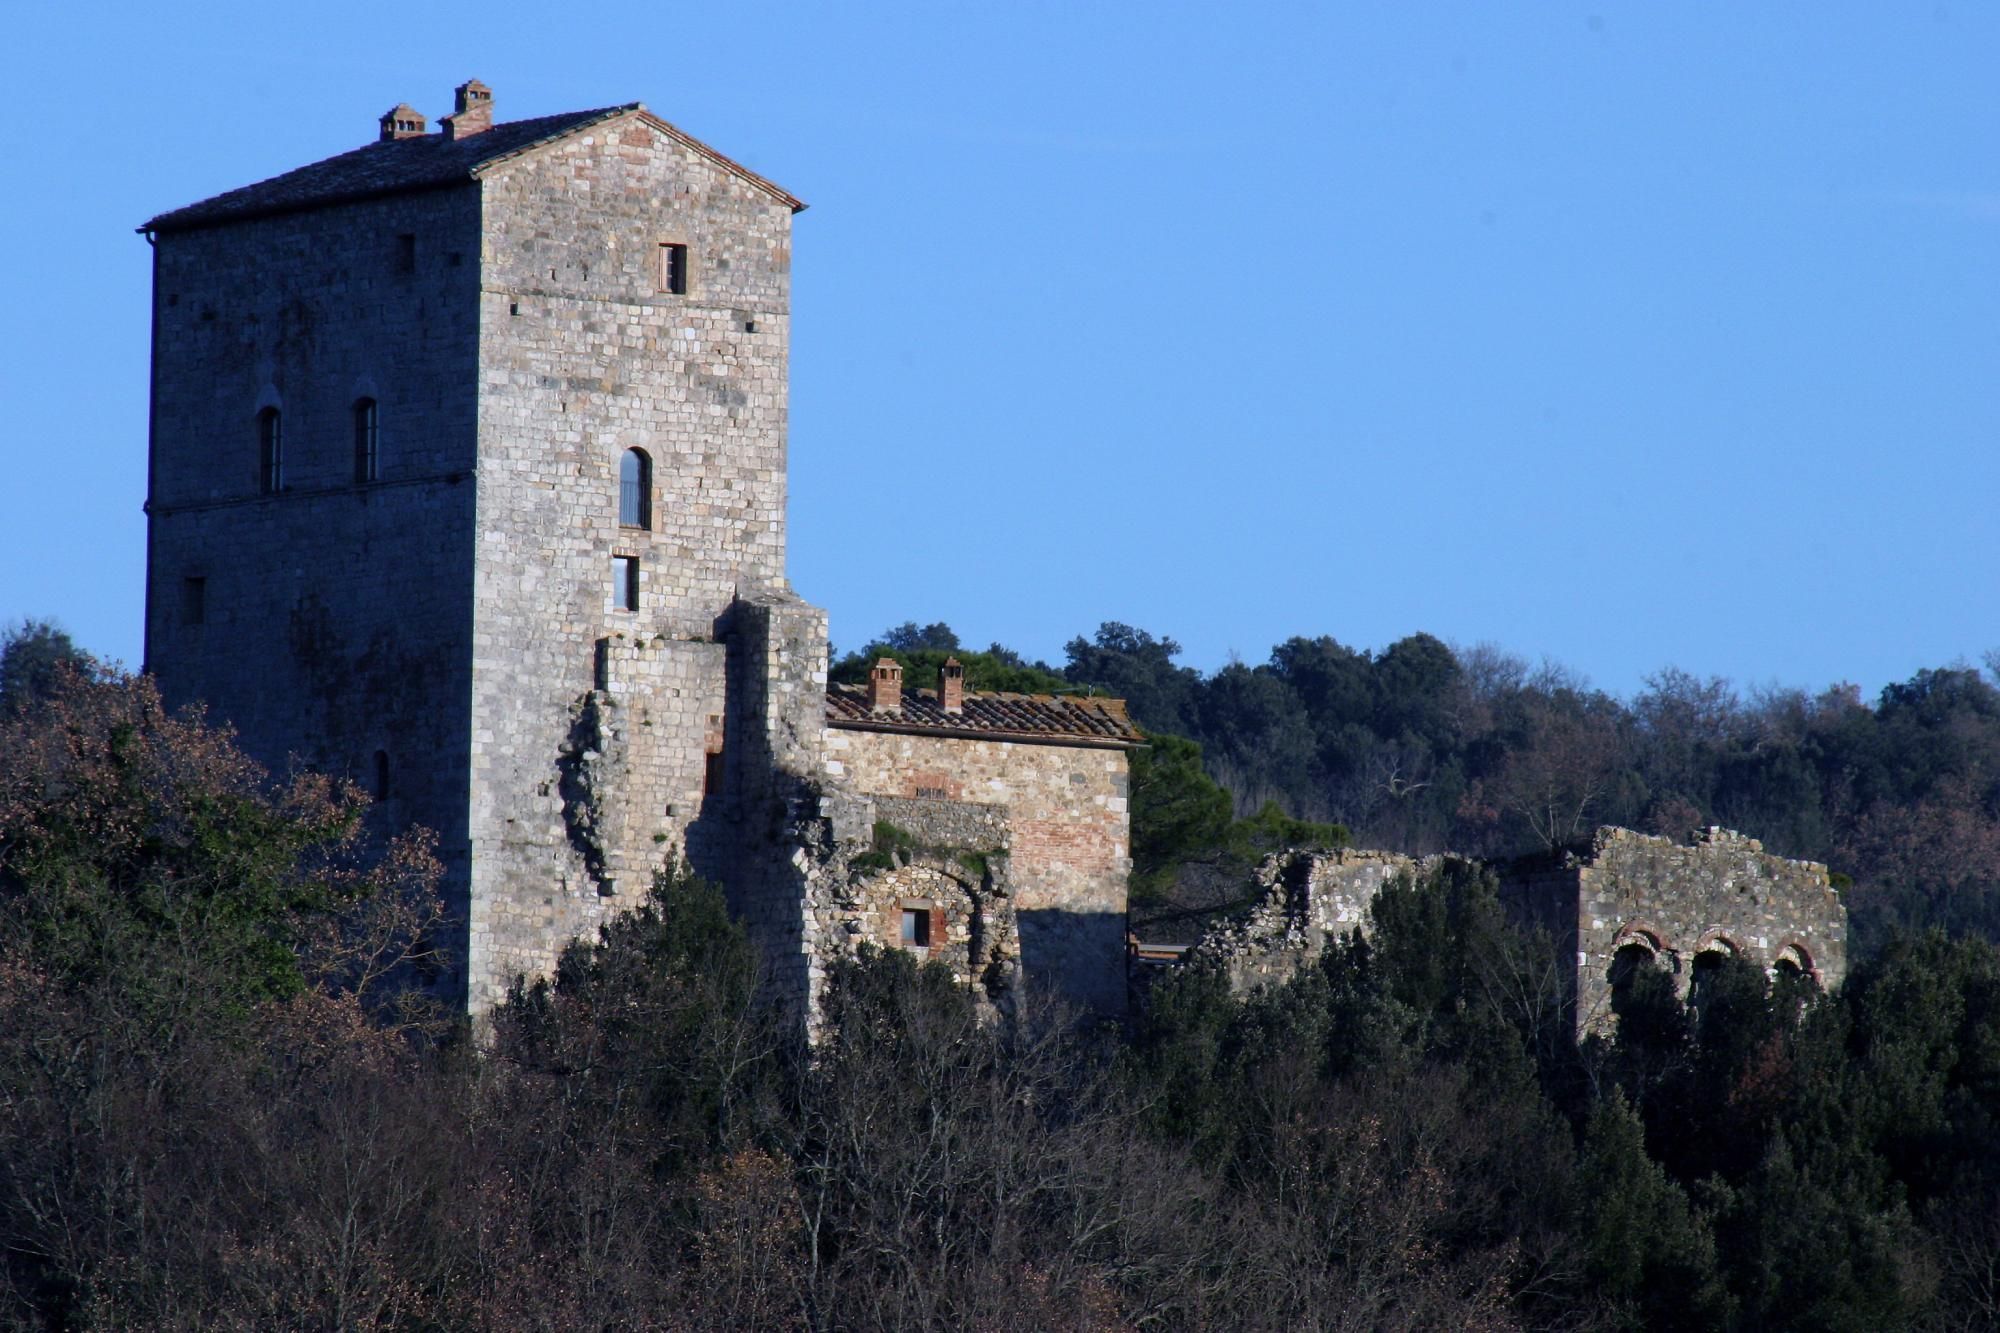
[917, 927]
[635, 489]
[406, 253]
[931, 793]
[674, 269]
[367, 455]
[711, 773]
[1702, 978]
[270, 451]
[1632, 967]
[381, 775]
[625, 582]
[194, 601]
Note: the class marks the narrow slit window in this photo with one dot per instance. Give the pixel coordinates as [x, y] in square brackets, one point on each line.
[270, 451]
[625, 582]
[406, 252]
[711, 773]
[381, 775]
[635, 489]
[194, 601]
[674, 268]
[367, 441]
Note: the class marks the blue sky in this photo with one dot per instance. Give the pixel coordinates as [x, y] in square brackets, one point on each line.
[1628, 338]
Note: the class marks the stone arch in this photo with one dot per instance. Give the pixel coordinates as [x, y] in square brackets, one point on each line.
[966, 922]
[1711, 953]
[1637, 945]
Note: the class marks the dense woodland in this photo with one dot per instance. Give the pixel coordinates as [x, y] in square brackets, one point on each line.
[226, 1100]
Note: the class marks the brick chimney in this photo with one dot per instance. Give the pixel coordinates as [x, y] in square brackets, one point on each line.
[885, 686]
[402, 121]
[951, 686]
[472, 110]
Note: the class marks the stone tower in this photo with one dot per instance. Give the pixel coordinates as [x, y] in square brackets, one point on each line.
[468, 481]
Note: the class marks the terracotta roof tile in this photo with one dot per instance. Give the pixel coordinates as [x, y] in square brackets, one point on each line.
[1058, 719]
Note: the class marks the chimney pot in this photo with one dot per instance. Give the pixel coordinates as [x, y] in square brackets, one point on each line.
[402, 121]
[951, 686]
[472, 110]
[885, 686]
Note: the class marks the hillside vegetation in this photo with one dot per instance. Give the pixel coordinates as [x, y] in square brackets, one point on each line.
[225, 1101]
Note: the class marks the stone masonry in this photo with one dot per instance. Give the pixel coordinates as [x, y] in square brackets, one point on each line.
[1308, 900]
[1063, 803]
[468, 481]
[1680, 906]
[1623, 900]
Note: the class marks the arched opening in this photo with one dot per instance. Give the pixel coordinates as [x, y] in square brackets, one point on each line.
[367, 449]
[1793, 967]
[635, 490]
[270, 451]
[1631, 958]
[1704, 972]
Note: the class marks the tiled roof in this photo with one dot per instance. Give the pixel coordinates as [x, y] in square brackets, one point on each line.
[1053, 719]
[398, 166]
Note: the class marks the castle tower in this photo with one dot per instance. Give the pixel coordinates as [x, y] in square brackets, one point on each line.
[468, 457]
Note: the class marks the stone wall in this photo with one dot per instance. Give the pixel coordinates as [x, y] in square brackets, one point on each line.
[332, 622]
[1309, 899]
[1670, 903]
[1720, 893]
[1068, 831]
[582, 357]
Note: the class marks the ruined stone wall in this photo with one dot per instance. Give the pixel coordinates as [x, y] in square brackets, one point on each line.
[582, 357]
[1068, 840]
[1309, 899]
[334, 621]
[1722, 893]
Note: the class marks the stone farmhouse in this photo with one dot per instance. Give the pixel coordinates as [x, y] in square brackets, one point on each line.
[467, 480]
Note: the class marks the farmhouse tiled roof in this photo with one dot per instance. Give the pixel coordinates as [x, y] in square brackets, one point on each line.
[420, 162]
[1043, 718]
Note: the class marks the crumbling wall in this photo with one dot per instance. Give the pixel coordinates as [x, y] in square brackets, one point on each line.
[1309, 899]
[1666, 903]
[1068, 838]
[1720, 893]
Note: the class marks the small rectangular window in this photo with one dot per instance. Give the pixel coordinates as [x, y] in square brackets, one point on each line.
[367, 449]
[917, 927]
[406, 253]
[270, 451]
[711, 773]
[194, 601]
[625, 582]
[674, 269]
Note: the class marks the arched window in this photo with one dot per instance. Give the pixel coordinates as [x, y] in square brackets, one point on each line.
[635, 489]
[367, 451]
[270, 451]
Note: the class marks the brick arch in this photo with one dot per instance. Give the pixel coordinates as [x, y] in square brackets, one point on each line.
[1795, 950]
[1642, 932]
[1718, 935]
